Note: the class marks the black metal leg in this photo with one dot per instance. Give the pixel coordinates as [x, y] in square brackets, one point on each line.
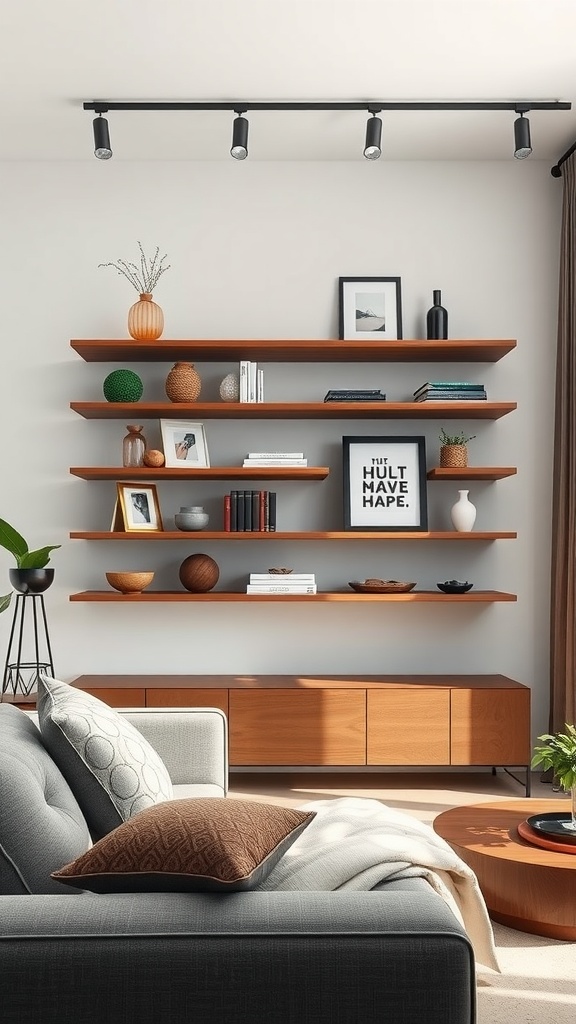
[14, 677]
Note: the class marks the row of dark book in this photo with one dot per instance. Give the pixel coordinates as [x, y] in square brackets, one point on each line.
[450, 391]
[250, 512]
[354, 395]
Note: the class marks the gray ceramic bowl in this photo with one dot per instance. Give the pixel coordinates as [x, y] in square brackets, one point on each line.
[188, 521]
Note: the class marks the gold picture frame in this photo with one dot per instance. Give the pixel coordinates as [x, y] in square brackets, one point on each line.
[137, 508]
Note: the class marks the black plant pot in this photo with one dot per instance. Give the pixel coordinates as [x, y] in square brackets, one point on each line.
[31, 581]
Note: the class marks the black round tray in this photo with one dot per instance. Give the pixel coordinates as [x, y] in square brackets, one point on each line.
[553, 824]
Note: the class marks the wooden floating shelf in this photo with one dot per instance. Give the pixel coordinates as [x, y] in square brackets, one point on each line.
[292, 410]
[330, 351]
[208, 473]
[345, 535]
[151, 596]
[471, 473]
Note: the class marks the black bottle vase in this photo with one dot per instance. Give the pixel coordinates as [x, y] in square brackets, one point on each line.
[437, 320]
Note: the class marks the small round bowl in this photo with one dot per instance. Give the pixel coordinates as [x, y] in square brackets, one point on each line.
[129, 582]
[454, 587]
[280, 570]
[374, 586]
[191, 520]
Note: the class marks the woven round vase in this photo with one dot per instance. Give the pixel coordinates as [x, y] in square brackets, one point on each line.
[453, 456]
[145, 319]
[123, 386]
[183, 383]
[199, 573]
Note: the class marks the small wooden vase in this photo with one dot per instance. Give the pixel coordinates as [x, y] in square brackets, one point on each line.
[183, 383]
[145, 319]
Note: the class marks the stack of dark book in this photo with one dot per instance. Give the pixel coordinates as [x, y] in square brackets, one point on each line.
[354, 395]
[450, 391]
[250, 512]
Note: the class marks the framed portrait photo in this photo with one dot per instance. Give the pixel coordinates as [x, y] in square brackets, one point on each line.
[184, 444]
[385, 483]
[370, 307]
[137, 508]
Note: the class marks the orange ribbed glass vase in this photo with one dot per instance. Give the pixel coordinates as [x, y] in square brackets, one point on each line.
[145, 319]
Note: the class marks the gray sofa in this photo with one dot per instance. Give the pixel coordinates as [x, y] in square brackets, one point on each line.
[394, 954]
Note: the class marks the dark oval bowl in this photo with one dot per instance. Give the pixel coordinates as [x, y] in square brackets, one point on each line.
[31, 581]
[454, 588]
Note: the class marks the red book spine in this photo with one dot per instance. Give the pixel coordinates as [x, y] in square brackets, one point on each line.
[227, 513]
[262, 511]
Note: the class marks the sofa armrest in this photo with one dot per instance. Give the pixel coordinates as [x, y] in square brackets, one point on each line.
[286, 957]
[192, 742]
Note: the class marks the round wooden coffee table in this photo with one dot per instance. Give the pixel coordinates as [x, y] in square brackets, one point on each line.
[525, 886]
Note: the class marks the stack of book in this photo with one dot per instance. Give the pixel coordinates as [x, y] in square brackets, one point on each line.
[250, 512]
[275, 459]
[354, 395]
[282, 583]
[251, 382]
[450, 391]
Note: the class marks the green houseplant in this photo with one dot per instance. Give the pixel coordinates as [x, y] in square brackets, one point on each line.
[13, 542]
[453, 450]
[558, 752]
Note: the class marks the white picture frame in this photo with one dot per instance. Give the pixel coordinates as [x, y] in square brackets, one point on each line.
[184, 444]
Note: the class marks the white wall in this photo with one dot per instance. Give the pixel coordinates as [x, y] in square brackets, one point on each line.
[255, 251]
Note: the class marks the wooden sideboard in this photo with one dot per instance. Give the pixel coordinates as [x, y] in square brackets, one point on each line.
[347, 720]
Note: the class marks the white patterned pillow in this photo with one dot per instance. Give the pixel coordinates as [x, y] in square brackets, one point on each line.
[110, 767]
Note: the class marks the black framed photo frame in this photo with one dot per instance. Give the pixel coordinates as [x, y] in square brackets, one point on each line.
[385, 483]
[370, 308]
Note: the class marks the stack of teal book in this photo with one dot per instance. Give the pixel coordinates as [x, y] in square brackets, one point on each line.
[450, 391]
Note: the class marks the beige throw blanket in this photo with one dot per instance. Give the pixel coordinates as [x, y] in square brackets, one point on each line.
[354, 843]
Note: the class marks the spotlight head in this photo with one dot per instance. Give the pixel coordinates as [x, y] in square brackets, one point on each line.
[372, 149]
[239, 149]
[522, 143]
[102, 150]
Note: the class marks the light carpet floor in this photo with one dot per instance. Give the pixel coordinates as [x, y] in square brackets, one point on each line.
[538, 980]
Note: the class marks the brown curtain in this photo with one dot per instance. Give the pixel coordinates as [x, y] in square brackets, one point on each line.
[563, 589]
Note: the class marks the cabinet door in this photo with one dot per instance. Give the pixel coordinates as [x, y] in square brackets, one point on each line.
[409, 726]
[297, 727]
[186, 697]
[118, 696]
[491, 726]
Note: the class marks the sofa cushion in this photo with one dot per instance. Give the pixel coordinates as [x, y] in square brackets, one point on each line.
[204, 844]
[110, 767]
[41, 824]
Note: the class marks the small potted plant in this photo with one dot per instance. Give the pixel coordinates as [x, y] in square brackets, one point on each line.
[30, 575]
[558, 752]
[453, 450]
[145, 317]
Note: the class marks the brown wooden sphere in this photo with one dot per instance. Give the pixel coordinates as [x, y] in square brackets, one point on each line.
[152, 457]
[199, 573]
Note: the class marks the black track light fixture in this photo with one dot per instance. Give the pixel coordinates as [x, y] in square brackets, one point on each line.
[239, 149]
[102, 149]
[372, 147]
[522, 143]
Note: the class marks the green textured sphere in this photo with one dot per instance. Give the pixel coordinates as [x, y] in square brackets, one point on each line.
[123, 386]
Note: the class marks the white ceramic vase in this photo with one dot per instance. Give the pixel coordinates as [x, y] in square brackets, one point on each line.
[463, 513]
[230, 388]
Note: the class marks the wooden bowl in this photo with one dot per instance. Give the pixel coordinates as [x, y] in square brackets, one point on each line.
[381, 587]
[129, 582]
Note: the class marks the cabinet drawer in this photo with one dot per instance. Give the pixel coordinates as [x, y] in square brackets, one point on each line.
[306, 727]
[491, 727]
[186, 697]
[409, 727]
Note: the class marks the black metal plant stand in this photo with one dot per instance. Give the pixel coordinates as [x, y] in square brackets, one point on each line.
[22, 676]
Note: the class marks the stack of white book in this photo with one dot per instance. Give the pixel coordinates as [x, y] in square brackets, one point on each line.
[275, 459]
[282, 583]
[251, 381]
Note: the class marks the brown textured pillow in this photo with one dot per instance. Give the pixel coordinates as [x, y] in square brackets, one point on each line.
[202, 844]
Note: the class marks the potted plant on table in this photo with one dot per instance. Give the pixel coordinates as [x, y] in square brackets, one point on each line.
[30, 575]
[453, 450]
[558, 752]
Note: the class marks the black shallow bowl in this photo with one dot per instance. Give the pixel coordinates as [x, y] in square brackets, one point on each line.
[31, 581]
[454, 588]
